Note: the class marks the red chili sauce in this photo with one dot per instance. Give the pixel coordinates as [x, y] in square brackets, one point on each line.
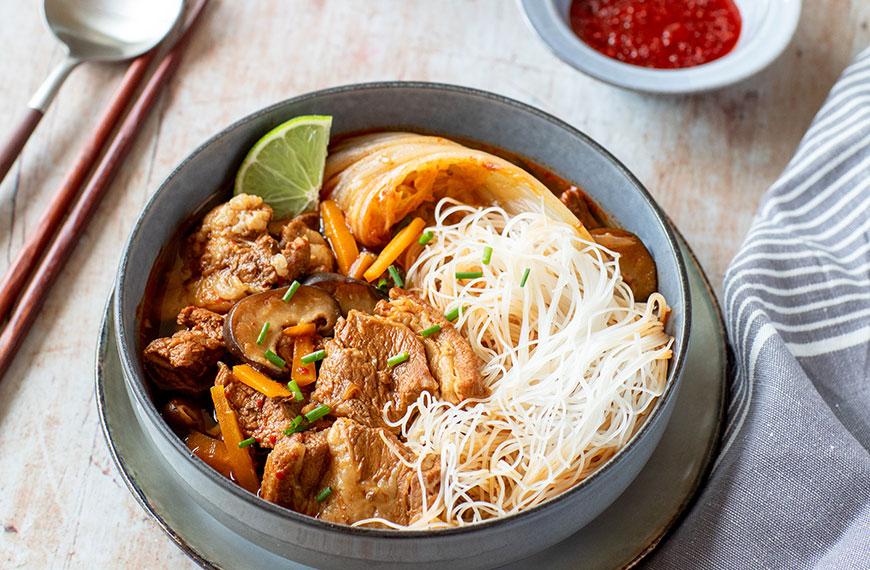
[664, 34]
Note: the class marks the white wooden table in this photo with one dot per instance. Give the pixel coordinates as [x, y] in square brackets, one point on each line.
[707, 159]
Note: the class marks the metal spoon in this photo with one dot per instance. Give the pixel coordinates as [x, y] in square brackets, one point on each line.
[92, 30]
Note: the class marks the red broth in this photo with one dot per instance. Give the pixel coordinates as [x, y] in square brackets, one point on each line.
[664, 34]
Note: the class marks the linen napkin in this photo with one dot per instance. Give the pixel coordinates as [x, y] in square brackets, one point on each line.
[791, 486]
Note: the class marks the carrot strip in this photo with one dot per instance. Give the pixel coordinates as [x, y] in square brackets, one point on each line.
[395, 248]
[211, 450]
[363, 262]
[340, 239]
[304, 374]
[240, 458]
[260, 382]
[302, 329]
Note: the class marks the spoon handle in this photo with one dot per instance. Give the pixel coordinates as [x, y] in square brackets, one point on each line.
[35, 110]
[13, 145]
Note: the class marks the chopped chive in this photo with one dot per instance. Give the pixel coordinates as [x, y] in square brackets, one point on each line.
[469, 274]
[430, 331]
[274, 359]
[453, 314]
[297, 392]
[262, 336]
[323, 494]
[290, 291]
[317, 413]
[248, 442]
[313, 356]
[398, 359]
[525, 276]
[295, 426]
[383, 284]
[426, 237]
[487, 255]
[394, 273]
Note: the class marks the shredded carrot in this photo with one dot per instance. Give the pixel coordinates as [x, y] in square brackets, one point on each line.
[363, 262]
[302, 329]
[395, 248]
[211, 450]
[239, 458]
[260, 382]
[304, 374]
[337, 233]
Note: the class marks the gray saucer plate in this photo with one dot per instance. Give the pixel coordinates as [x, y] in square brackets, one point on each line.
[628, 530]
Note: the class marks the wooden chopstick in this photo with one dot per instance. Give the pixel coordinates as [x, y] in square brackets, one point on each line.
[67, 236]
[19, 271]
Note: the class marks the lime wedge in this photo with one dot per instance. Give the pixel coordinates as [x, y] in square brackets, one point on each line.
[285, 167]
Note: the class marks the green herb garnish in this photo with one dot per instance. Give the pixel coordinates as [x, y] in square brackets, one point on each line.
[525, 277]
[453, 314]
[295, 426]
[469, 274]
[394, 273]
[275, 359]
[398, 359]
[313, 356]
[487, 255]
[323, 494]
[262, 336]
[426, 237]
[430, 331]
[247, 442]
[291, 291]
[317, 413]
[297, 392]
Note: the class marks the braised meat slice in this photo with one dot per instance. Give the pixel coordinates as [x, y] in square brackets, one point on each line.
[355, 379]
[368, 479]
[183, 362]
[294, 471]
[575, 200]
[300, 241]
[451, 360]
[232, 254]
[259, 416]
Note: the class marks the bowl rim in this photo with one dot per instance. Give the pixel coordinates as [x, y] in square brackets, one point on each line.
[551, 29]
[136, 383]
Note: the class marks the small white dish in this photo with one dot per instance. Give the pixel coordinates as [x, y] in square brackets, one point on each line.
[767, 29]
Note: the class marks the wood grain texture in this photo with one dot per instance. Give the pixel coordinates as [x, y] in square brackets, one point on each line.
[706, 158]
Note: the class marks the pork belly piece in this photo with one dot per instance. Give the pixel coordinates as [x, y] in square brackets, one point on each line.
[355, 378]
[232, 254]
[449, 355]
[260, 417]
[294, 472]
[185, 361]
[361, 467]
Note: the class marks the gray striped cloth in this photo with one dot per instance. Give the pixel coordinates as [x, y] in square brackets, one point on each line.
[791, 487]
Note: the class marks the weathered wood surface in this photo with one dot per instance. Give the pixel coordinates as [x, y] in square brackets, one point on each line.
[706, 158]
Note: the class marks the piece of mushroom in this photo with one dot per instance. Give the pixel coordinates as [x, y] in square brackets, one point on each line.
[244, 323]
[635, 263]
[183, 415]
[350, 293]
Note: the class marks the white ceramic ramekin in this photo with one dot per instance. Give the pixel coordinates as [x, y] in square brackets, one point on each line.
[768, 26]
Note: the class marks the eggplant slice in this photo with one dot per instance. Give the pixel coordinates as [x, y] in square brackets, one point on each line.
[247, 317]
[350, 293]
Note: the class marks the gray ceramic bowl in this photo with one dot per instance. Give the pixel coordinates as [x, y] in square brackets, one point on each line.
[453, 112]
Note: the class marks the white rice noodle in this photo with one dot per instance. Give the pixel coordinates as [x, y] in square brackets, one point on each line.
[573, 363]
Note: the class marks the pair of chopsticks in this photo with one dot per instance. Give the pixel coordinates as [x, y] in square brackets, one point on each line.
[29, 278]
